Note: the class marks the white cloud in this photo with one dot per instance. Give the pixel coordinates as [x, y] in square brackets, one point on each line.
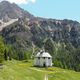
[20, 1]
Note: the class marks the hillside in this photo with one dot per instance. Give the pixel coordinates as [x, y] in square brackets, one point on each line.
[16, 70]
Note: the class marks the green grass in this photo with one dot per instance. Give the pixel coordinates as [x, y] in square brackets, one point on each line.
[63, 74]
[18, 70]
[15, 70]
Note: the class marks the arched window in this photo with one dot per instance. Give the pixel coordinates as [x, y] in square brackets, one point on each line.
[49, 58]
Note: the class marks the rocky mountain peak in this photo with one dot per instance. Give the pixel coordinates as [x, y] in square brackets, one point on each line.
[12, 11]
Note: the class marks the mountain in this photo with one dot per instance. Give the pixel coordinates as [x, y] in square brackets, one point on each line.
[12, 11]
[40, 29]
[29, 34]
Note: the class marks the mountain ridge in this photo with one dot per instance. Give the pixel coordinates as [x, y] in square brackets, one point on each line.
[15, 8]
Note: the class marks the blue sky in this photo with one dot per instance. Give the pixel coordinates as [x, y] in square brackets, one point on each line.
[56, 9]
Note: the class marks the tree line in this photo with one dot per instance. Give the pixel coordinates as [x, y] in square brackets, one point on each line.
[8, 52]
[64, 54]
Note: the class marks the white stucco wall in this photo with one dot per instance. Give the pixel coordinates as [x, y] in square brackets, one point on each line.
[40, 62]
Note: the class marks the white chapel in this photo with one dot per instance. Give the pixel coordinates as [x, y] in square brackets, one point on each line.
[43, 59]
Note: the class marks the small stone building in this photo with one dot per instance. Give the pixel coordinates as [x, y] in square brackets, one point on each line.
[43, 59]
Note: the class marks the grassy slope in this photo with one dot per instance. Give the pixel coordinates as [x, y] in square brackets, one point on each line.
[16, 70]
[64, 75]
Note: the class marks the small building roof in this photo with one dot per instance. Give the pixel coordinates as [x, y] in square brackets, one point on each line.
[43, 54]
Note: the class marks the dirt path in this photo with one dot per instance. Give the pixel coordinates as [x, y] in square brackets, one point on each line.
[46, 77]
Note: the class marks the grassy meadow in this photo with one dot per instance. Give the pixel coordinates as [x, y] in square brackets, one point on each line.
[21, 70]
